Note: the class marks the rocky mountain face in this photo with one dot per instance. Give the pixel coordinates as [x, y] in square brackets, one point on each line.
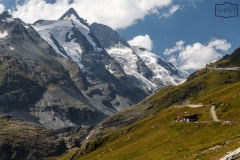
[34, 84]
[146, 69]
[40, 86]
[107, 36]
[68, 76]
[106, 84]
[164, 73]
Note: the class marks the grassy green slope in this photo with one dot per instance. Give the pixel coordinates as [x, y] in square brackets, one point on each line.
[159, 137]
[232, 60]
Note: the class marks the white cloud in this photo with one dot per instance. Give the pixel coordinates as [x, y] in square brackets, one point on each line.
[114, 13]
[193, 2]
[196, 56]
[220, 44]
[172, 10]
[178, 47]
[173, 60]
[2, 8]
[142, 41]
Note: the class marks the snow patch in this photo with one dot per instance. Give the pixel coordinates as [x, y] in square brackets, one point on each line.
[70, 34]
[8, 20]
[71, 17]
[73, 40]
[108, 68]
[3, 34]
[26, 26]
[99, 49]
[59, 29]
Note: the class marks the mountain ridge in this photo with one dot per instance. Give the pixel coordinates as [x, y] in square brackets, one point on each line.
[119, 49]
[100, 80]
[57, 74]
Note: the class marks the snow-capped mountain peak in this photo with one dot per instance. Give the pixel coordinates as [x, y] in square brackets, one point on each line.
[99, 49]
[69, 36]
[60, 35]
[71, 14]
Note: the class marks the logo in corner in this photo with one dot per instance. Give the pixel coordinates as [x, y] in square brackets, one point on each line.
[226, 10]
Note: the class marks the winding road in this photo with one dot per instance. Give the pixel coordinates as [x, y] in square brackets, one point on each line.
[213, 113]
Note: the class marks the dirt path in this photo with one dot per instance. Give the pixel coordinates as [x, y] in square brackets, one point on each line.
[213, 113]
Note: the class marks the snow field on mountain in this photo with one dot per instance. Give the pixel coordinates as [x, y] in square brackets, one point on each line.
[59, 29]
[125, 57]
[71, 17]
[109, 69]
[128, 59]
[151, 60]
[82, 28]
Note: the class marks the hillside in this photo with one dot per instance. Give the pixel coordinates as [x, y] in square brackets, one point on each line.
[148, 130]
[24, 140]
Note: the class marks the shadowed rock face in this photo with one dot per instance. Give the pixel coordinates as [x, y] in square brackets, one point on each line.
[107, 36]
[143, 69]
[5, 15]
[168, 66]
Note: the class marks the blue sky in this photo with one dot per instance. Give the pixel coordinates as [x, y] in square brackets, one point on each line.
[190, 24]
[186, 32]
